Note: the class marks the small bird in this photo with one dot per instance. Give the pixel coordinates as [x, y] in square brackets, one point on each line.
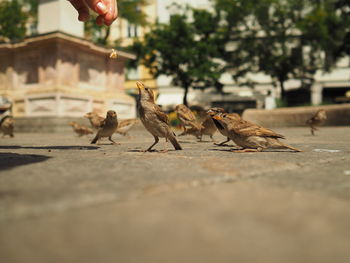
[125, 125]
[95, 119]
[208, 128]
[154, 120]
[214, 111]
[187, 118]
[317, 119]
[80, 130]
[7, 126]
[108, 127]
[249, 136]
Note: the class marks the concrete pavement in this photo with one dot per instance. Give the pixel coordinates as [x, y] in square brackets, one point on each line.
[64, 200]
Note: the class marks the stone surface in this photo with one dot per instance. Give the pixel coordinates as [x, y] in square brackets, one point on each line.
[338, 114]
[64, 200]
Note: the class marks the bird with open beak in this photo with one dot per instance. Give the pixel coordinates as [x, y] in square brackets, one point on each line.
[249, 136]
[215, 111]
[154, 120]
[317, 119]
[108, 127]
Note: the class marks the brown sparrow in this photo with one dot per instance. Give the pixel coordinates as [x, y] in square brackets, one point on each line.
[214, 111]
[208, 128]
[108, 127]
[187, 118]
[7, 126]
[80, 130]
[95, 119]
[154, 120]
[319, 118]
[249, 136]
[125, 125]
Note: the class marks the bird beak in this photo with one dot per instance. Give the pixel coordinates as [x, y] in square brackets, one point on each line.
[140, 85]
[217, 117]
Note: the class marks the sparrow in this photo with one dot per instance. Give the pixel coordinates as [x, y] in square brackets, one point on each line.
[154, 120]
[249, 136]
[187, 118]
[214, 111]
[95, 119]
[319, 118]
[108, 127]
[208, 128]
[125, 125]
[80, 129]
[7, 126]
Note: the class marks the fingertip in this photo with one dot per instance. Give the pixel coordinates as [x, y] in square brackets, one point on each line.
[99, 20]
[83, 17]
[111, 16]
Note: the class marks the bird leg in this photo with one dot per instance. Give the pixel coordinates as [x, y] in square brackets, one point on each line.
[165, 150]
[113, 142]
[222, 143]
[313, 129]
[156, 140]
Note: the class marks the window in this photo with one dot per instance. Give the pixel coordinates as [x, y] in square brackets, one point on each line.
[132, 30]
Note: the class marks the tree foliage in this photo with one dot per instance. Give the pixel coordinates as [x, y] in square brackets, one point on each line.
[12, 21]
[186, 51]
[285, 39]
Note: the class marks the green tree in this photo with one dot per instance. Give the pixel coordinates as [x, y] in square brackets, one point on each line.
[186, 51]
[285, 39]
[12, 21]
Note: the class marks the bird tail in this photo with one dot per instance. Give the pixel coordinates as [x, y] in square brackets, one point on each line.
[94, 140]
[291, 148]
[174, 142]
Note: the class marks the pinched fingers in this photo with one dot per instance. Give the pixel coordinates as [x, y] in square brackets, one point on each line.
[112, 12]
[107, 10]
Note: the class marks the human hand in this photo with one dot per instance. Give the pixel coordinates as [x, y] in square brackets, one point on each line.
[106, 9]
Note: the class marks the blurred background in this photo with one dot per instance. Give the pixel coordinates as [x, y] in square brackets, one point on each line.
[235, 54]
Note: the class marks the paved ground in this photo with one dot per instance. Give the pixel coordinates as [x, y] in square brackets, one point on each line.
[63, 200]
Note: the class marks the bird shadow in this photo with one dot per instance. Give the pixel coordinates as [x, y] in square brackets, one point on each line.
[224, 145]
[10, 160]
[265, 151]
[65, 147]
[152, 151]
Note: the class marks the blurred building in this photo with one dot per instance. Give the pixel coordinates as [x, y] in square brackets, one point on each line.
[58, 74]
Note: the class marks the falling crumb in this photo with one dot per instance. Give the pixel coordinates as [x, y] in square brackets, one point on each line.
[113, 54]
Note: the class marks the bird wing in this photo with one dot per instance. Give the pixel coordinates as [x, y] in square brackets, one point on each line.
[247, 129]
[187, 115]
[126, 122]
[161, 115]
